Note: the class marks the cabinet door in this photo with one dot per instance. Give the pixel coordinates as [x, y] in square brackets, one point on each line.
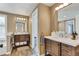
[77, 51]
[22, 38]
[27, 37]
[55, 48]
[16, 38]
[48, 46]
[67, 50]
[52, 47]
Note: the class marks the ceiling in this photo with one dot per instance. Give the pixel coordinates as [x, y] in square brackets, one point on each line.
[49, 4]
[20, 8]
[69, 12]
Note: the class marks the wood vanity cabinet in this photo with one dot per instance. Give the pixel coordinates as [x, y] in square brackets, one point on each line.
[55, 48]
[52, 47]
[22, 38]
[67, 50]
[47, 46]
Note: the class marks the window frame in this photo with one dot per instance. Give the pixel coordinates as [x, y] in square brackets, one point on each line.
[5, 24]
[23, 26]
[64, 21]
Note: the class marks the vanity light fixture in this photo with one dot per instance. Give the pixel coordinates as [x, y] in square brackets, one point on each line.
[20, 19]
[61, 6]
[24, 19]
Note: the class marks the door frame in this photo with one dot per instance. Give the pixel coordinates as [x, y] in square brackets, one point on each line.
[36, 9]
[5, 22]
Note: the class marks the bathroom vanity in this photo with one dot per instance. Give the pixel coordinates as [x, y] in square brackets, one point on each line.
[61, 46]
[21, 39]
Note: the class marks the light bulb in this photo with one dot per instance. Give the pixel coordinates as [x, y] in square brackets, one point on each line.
[61, 6]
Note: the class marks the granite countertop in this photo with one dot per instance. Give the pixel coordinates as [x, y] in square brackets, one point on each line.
[67, 41]
[20, 33]
[9, 34]
[16, 33]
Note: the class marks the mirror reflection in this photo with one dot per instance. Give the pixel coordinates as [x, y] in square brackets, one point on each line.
[68, 19]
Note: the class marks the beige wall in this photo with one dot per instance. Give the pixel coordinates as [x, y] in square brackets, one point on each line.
[44, 19]
[44, 24]
[54, 17]
[48, 17]
[30, 29]
[11, 21]
[27, 21]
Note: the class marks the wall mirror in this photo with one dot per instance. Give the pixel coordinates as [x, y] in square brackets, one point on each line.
[21, 24]
[68, 18]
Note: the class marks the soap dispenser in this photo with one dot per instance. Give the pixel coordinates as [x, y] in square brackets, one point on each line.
[74, 34]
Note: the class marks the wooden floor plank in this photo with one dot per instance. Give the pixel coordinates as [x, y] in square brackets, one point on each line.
[22, 51]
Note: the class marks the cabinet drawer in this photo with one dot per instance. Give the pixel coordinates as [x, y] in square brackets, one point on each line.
[67, 50]
[67, 47]
[17, 38]
[55, 48]
[66, 53]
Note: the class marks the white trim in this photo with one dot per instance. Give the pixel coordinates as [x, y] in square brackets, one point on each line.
[35, 41]
[5, 21]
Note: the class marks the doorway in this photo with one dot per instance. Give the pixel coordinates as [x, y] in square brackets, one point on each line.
[35, 41]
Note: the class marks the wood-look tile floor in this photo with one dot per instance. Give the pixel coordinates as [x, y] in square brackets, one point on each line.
[22, 51]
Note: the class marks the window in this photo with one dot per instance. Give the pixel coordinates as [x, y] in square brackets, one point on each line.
[21, 24]
[67, 26]
[61, 26]
[2, 27]
[20, 27]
